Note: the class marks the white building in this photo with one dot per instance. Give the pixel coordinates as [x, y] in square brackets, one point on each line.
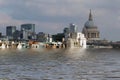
[75, 39]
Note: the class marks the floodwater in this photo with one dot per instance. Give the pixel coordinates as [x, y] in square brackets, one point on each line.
[60, 64]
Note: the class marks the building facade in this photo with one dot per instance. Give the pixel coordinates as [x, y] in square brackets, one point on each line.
[28, 27]
[72, 28]
[91, 31]
[44, 37]
[16, 35]
[9, 31]
[28, 31]
[74, 39]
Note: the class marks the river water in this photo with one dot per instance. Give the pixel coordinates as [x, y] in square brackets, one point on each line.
[60, 64]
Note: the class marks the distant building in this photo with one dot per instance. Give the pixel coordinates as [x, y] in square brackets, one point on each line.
[73, 38]
[73, 28]
[28, 27]
[58, 37]
[43, 37]
[28, 32]
[16, 35]
[9, 31]
[3, 38]
[0, 34]
[91, 31]
[49, 38]
[66, 32]
[69, 30]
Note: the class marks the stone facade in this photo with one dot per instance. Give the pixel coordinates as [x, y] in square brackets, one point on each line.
[91, 31]
[74, 39]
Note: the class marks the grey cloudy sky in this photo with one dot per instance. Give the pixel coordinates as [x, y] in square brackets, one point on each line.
[51, 16]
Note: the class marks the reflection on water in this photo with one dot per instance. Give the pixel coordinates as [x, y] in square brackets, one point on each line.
[70, 64]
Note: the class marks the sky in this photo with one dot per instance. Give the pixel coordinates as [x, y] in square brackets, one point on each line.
[52, 16]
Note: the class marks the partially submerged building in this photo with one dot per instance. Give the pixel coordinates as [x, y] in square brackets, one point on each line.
[74, 39]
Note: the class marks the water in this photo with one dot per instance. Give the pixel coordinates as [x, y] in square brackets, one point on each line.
[74, 64]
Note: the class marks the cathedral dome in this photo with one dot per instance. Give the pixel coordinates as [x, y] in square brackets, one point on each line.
[90, 30]
[89, 24]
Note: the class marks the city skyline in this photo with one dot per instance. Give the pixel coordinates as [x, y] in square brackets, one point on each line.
[54, 15]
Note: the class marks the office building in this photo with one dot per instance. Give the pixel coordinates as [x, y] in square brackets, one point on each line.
[73, 28]
[28, 27]
[28, 32]
[43, 37]
[9, 31]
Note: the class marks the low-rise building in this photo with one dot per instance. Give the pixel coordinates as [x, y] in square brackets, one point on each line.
[74, 39]
[43, 37]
